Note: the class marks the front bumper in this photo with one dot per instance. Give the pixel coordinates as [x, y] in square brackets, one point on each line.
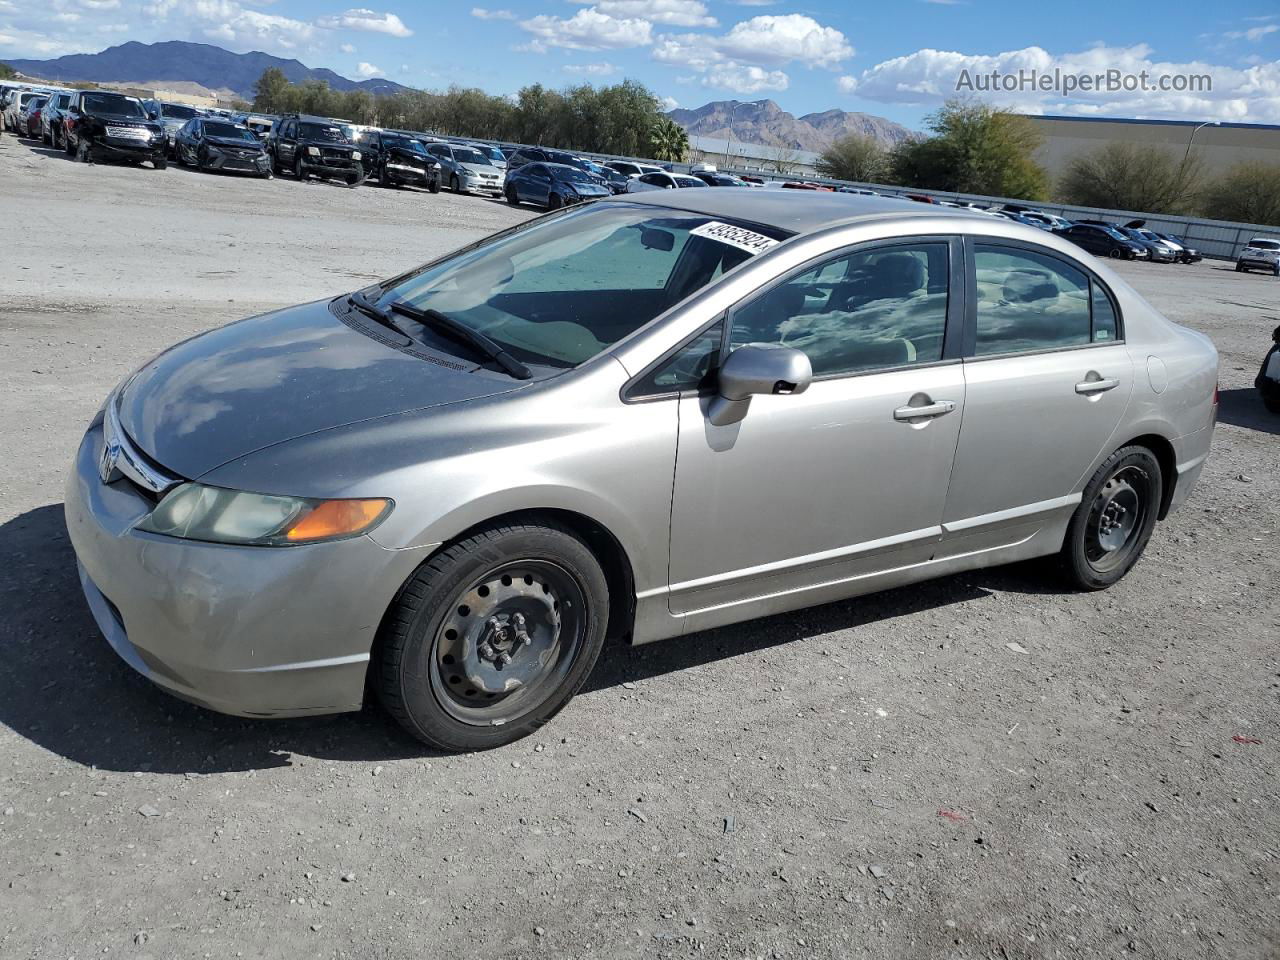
[258, 163]
[479, 185]
[249, 631]
[129, 149]
[1257, 263]
[337, 169]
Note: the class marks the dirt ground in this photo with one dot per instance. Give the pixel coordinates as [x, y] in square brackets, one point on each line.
[883, 778]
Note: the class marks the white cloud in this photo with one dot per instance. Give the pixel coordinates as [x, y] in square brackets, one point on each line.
[677, 13]
[928, 77]
[1253, 34]
[367, 70]
[590, 69]
[777, 40]
[113, 28]
[368, 21]
[241, 29]
[670, 103]
[66, 17]
[348, 48]
[100, 4]
[587, 29]
[744, 78]
[481, 13]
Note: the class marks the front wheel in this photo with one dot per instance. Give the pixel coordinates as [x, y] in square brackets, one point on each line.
[513, 198]
[82, 151]
[1239, 268]
[454, 185]
[1114, 521]
[493, 636]
[299, 170]
[554, 202]
[160, 161]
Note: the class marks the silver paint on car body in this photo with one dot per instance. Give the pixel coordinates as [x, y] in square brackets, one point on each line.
[811, 496]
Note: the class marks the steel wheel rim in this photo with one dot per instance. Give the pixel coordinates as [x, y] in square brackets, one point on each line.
[1116, 518]
[507, 641]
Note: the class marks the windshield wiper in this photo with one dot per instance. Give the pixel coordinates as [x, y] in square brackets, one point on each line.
[488, 347]
[375, 312]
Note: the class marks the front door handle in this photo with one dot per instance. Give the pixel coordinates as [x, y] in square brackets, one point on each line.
[924, 412]
[1096, 386]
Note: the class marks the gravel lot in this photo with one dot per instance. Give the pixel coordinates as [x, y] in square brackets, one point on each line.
[882, 778]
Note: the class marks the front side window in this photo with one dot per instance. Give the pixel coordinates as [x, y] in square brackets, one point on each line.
[550, 291]
[689, 368]
[877, 308]
[1027, 301]
[177, 111]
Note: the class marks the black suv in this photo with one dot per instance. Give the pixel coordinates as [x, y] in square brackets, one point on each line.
[103, 125]
[399, 158]
[315, 147]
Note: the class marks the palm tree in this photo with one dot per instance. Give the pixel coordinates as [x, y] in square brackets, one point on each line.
[668, 141]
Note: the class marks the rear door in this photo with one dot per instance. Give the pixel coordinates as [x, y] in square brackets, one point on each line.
[1047, 380]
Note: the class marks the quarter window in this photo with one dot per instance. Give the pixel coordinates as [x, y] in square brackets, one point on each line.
[879, 308]
[1027, 301]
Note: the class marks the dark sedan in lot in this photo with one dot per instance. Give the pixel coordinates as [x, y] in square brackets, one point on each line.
[1103, 241]
[552, 185]
[397, 159]
[220, 145]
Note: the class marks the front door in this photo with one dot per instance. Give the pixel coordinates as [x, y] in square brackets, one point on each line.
[1045, 387]
[818, 490]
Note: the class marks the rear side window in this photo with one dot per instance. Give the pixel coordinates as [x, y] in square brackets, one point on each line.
[1028, 302]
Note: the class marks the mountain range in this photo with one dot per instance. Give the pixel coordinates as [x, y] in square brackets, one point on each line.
[764, 122]
[176, 61]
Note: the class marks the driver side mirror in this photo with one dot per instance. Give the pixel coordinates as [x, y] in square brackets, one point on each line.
[756, 368]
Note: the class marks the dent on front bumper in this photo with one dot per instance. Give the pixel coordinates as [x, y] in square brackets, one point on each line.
[249, 631]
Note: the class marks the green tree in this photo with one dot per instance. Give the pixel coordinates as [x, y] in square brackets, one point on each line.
[854, 156]
[7, 72]
[975, 148]
[1249, 193]
[668, 141]
[1130, 176]
[270, 92]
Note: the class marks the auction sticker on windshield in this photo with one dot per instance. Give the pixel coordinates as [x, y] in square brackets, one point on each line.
[739, 237]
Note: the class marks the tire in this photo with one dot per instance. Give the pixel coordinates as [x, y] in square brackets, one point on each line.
[68, 147]
[454, 185]
[1117, 513]
[299, 171]
[82, 151]
[275, 165]
[554, 202]
[1113, 254]
[513, 198]
[160, 162]
[434, 186]
[1275, 271]
[439, 663]
[1239, 268]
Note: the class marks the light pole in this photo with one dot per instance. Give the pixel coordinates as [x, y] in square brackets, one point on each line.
[733, 112]
[1192, 139]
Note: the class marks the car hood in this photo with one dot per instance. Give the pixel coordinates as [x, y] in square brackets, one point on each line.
[274, 377]
[587, 189]
[234, 143]
[479, 168]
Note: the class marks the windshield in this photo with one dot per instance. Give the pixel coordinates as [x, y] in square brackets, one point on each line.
[228, 130]
[467, 155]
[572, 175]
[37, 102]
[548, 291]
[688, 182]
[120, 106]
[1113, 233]
[324, 131]
[402, 143]
[1265, 244]
[493, 153]
[177, 111]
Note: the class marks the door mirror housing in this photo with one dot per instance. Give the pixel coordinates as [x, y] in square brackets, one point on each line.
[757, 368]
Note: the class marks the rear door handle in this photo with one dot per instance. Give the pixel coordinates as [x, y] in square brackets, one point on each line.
[1096, 386]
[937, 409]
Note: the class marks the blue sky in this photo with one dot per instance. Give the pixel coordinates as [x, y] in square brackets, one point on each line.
[898, 59]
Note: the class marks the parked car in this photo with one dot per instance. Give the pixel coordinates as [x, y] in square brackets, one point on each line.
[212, 144]
[1103, 241]
[1016, 218]
[450, 487]
[919, 197]
[631, 169]
[495, 155]
[606, 176]
[552, 185]
[1268, 379]
[805, 185]
[316, 147]
[399, 159]
[257, 124]
[860, 191]
[1261, 253]
[662, 180]
[17, 102]
[105, 125]
[52, 116]
[1186, 254]
[1045, 221]
[466, 170]
[714, 178]
[29, 118]
[172, 117]
[1158, 250]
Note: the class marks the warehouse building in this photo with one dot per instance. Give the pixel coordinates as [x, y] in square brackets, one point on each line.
[1220, 146]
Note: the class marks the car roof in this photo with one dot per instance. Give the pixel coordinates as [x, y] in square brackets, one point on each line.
[800, 211]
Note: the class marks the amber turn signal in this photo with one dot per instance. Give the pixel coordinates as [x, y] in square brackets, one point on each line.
[336, 518]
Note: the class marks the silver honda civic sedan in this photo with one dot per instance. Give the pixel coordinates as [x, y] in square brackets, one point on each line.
[639, 418]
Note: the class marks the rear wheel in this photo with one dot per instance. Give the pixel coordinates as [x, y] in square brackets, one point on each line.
[1240, 268]
[513, 198]
[554, 202]
[1114, 521]
[493, 636]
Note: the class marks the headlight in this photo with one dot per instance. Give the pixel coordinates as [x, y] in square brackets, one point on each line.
[355, 154]
[194, 511]
[313, 151]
